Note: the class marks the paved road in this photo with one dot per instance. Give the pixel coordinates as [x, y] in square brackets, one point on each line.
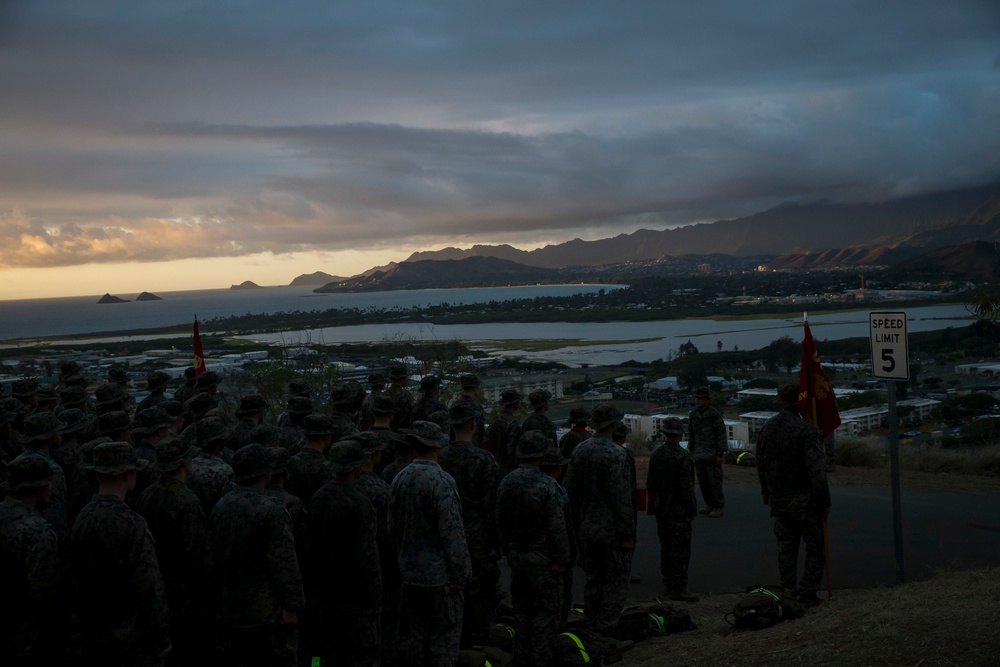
[728, 554]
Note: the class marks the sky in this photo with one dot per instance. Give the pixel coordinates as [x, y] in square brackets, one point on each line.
[173, 144]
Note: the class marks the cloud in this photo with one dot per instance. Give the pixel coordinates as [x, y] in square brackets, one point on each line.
[180, 129]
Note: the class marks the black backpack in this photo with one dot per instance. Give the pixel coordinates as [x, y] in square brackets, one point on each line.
[763, 606]
[642, 621]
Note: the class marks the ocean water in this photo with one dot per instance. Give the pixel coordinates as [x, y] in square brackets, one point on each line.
[29, 318]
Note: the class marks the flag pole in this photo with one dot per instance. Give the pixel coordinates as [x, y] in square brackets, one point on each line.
[814, 418]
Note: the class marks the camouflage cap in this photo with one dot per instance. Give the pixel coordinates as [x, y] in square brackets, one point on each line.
[157, 380]
[354, 388]
[533, 445]
[116, 373]
[173, 408]
[383, 405]
[469, 381]
[190, 373]
[621, 430]
[74, 419]
[41, 426]
[439, 417]
[210, 430]
[109, 393]
[371, 441]
[672, 426]
[376, 379]
[24, 389]
[73, 396]
[250, 462]
[604, 415]
[75, 381]
[578, 414]
[114, 458]
[316, 424]
[28, 472]
[299, 388]
[200, 403]
[87, 448]
[788, 394]
[398, 371]
[68, 368]
[341, 395]
[279, 460]
[511, 396]
[209, 379]
[47, 394]
[461, 413]
[299, 405]
[113, 422]
[151, 420]
[429, 383]
[703, 392]
[341, 427]
[11, 407]
[251, 404]
[427, 434]
[348, 455]
[265, 434]
[173, 452]
[539, 397]
[554, 458]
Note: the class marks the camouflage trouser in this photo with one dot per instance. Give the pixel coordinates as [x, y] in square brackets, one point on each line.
[536, 592]
[675, 551]
[830, 448]
[480, 603]
[348, 639]
[790, 528]
[607, 567]
[391, 605]
[435, 615]
[261, 646]
[710, 482]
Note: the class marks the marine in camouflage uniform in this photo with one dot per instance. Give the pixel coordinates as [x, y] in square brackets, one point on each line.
[251, 415]
[504, 431]
[537, 420]
[470, 396]
[376, 383]
[153, 425]
[180, 530]
[43, 434]
[792, 474]
[344, 582]
[429, 401]
[670, 481]
[211, 477]
[293, 504]
[402, 399]
[156, 382]
[600, 484]
[477, 478]
[256, 565]
[119, 598]
[532, 522]
[70, 459]
[577, 433]
[309, 470]
[708, 444]
[425, 525]
[30, 616]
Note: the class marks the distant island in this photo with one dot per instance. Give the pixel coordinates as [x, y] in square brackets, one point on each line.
[107, 298]
[146, 296]
[246, 284]
[316, 278]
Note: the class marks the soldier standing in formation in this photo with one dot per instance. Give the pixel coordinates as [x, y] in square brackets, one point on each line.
[531, 518]
[708, 443]
[402, 399]
[505, 430]
[429, 401]
[425, 524]
[670, 481]
[538, 420]
[470, 397]
[792, 473]
[601, 497]
[577, 433]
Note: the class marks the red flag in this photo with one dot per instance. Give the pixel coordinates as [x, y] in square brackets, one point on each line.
[817, 404]
[199, 356]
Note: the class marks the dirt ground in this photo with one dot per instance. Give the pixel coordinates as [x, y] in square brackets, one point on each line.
[952, 619]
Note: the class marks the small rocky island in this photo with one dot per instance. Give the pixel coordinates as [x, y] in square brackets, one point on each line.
[146, 296]
[246, 284]
[108, 298]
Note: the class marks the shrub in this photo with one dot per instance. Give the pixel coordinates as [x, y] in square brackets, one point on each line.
[858, 452]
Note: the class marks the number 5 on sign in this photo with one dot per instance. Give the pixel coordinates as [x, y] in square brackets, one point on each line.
[890, 358]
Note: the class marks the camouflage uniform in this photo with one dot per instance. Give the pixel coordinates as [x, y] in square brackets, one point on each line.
[532, 523]
[503, 434]
[480, 432]
[425, 406]
[307, 472]
[210, 479]
[390, 471]
[57, 513]
[402, 401]
[425, 525]
[29, 559]
[477, 478]
[671, 481]
[792, 473]
[537, 421]
[178, 525]
[707, 440]
[601, 496]
[256, 565]
[119, 598]
[377, 492]
[344, 579]
[571, 439]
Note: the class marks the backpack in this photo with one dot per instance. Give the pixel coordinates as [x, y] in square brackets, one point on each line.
[502, 636]
[580, 646]
[741, 457]
[763, 606]
[483, 656]
[638, 622]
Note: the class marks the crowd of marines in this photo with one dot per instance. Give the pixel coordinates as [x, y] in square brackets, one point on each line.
[191, 530]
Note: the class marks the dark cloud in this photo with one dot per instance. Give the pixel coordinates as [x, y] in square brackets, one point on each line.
[162, 130]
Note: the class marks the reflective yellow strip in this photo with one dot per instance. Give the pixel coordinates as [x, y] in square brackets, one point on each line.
[579, 645]
[774, 597]
[659, 622]
[315, 662]
[487, 663]
[740, 456]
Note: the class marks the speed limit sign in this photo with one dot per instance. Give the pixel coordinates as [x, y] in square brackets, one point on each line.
[890, 359]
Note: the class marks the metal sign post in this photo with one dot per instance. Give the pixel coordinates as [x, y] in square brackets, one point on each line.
[890, 362]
